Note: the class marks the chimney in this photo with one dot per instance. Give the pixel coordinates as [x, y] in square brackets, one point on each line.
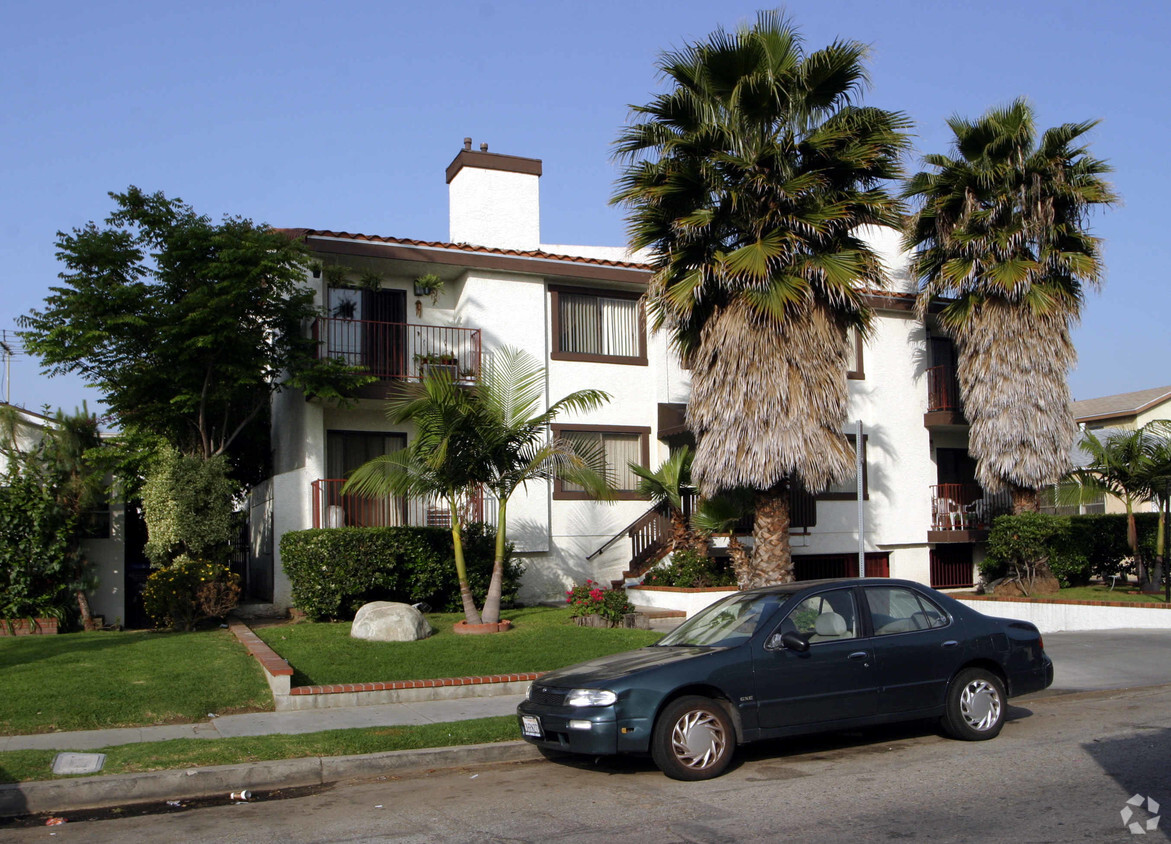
[493, 199]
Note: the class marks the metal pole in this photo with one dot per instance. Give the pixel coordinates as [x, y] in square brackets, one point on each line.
[7, 367]
[858, 465]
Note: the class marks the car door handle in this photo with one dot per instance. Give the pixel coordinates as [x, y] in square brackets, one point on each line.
[858, 655]
[950, 643]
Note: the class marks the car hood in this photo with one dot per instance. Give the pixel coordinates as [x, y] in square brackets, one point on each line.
[598, 672]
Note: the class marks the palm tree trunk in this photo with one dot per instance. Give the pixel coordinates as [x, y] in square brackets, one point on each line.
[741, 562]
[681, 537]
[496, 584]
[471, 614]
[1025, 501]
[772, 558]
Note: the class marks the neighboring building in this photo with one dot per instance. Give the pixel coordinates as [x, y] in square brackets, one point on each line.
[578, 310]
[1127, 411]
[104, 543]
[1121, 412]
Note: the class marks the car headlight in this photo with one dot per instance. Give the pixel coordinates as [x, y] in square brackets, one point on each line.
[590, 697]
[529, 692]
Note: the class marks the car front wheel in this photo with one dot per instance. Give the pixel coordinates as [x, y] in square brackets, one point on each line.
[975, 705]
[693, 739]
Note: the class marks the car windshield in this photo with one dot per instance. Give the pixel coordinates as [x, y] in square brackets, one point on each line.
[726, 623]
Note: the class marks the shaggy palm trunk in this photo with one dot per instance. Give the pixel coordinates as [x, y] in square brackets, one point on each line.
[1025, 501]
[772, 556]
[496, 584]
[741, 562]
[681, 535]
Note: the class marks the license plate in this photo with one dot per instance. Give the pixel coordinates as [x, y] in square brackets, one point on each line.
[530, 725]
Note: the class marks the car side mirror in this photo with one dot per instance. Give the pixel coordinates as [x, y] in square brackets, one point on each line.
[790, 640]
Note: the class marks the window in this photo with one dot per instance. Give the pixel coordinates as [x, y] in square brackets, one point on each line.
[618, 445]
[854, 369]
[605, 326]
[847, 490]
[826, 617]
[1063, 500]
[897, 610]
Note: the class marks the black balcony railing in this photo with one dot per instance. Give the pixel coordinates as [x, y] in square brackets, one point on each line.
[966, 507]
[395, 350]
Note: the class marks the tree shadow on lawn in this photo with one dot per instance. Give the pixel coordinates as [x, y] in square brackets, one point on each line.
[19, 650]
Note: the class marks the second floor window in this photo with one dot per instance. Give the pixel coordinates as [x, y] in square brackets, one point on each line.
[598, 327]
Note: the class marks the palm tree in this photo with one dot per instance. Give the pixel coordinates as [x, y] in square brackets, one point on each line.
[721, 514]
[514, 432]
[447, 458]
[1001, 231]
[1160, 482]
[667, 487]
[749, 181]
[1126, 465]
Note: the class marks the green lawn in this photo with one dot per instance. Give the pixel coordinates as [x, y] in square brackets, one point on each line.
[1104, 593]
[24, 765]
[85, 681]
[543, 638]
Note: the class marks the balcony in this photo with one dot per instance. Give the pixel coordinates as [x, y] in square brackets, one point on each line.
[944, 408]
[964, 512]
[331, 509]
[394, 351]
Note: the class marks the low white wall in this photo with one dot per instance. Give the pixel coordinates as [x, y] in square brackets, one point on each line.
[1057, 617]
[689, 600]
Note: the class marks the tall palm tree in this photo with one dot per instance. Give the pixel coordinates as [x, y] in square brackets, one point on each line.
[1001, 230]
[748, 181]
[514, 432]
[667, 487]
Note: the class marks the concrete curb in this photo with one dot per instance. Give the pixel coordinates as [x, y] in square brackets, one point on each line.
[124, 789]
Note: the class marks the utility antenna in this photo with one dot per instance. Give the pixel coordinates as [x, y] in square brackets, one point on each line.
[7, 365]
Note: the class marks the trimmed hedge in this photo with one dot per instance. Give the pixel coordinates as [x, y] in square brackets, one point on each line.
[334, 571]
[1079, 547]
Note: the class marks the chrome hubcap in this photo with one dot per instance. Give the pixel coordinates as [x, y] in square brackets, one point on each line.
[698, 739]
[980, 705]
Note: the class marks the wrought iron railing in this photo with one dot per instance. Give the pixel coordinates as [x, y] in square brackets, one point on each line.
[333, 509]
[966, 507]
[400, 350]
[949, 571]
[943, 391]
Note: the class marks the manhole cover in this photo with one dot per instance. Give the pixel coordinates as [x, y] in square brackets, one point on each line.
[78, 763]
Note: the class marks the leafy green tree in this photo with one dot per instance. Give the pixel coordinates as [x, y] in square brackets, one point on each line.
[1001, 231]
[188, 504]
[186, 326]
[54, 475]
[751, 181]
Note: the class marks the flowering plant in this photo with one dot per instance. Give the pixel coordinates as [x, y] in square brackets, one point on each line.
[590, 598]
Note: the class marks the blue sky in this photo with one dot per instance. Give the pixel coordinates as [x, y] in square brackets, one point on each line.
[344, 116]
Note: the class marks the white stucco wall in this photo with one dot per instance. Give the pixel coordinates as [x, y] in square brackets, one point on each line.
[495, 208]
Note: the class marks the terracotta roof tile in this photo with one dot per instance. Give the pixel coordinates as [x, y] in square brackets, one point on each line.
[463, 247]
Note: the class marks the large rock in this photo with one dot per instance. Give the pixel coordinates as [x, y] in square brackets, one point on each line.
[385, 621]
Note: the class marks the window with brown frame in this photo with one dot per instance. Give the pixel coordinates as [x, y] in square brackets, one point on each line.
[847, 490]
[601, 326]
[618, 445]
[854, 368]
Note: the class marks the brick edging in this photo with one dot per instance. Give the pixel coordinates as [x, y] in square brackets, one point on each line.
[396, 685]
[269, 660]
[1022, 600]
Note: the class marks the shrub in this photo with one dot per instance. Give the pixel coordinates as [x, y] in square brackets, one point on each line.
[690, 569]
[187, 503]
[1020, 543]
[188, 591]
[590, 598]
[334, 571]
[36, 567]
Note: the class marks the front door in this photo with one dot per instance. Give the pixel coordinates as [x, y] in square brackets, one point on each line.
[833, 681]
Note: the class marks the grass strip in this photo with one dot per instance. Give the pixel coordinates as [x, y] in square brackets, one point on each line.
[87, 681]
[27, 765]
[542, 639]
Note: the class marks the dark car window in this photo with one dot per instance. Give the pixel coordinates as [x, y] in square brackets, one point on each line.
[824, 617]
[894, 609]
[729, 622]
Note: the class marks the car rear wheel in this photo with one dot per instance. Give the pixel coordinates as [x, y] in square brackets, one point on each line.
[975, 705]
[693, 739]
